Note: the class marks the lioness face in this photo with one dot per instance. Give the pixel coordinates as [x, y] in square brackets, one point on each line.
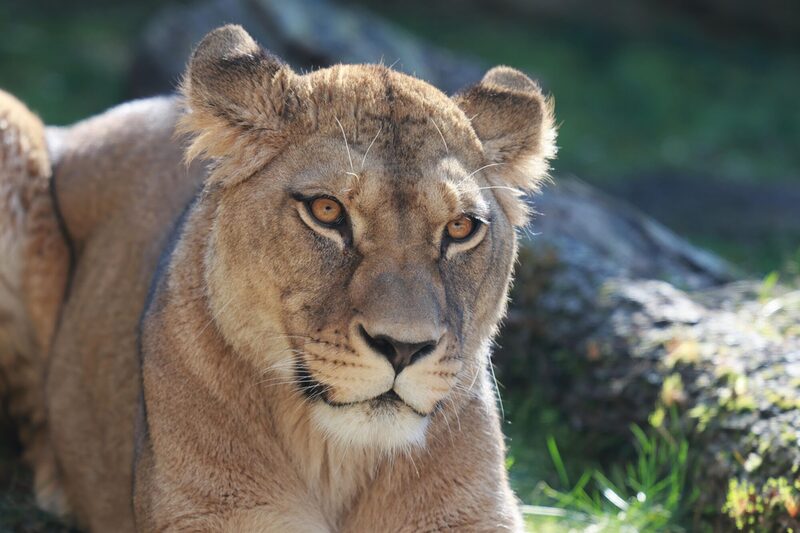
[365, 230]
[383, 282]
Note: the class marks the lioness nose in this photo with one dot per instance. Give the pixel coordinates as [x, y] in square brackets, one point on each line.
[400, 354]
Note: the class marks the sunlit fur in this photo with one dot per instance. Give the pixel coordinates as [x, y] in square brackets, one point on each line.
[261, 404]
[386, 427]
[34, 261]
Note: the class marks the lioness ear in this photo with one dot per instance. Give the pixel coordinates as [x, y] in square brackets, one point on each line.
[514, 122]
[242, 103]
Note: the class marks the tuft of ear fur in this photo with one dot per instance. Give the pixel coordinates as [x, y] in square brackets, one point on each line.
[514, 122]
[242, 104]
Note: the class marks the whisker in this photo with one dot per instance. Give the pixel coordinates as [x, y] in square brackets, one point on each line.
[281, 365]
[346, 144]
[484, 167]
[514, 189]
[299, 383]
[272, 374]
[214, 317]
[290, 336]
[497, 391]
[364, 159]
[455, 411]
[293, 379]
[342, 452]
[408, 453]
[474, 378]
[447, 422]
[446, 149]
[278, 365]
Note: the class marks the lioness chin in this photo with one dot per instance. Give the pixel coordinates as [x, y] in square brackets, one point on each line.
[291, 333]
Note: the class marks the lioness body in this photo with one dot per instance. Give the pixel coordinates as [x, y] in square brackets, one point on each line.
[113, 186]
[247, 367]
[120, 184]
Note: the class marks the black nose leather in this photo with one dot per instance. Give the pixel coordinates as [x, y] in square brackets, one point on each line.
[400, 354]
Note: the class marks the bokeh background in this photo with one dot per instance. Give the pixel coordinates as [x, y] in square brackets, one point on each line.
[687, 109]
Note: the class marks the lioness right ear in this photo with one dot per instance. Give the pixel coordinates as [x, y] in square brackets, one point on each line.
[241, 104]
[514, 122]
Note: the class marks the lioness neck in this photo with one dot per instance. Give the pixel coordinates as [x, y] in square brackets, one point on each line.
[333, 475]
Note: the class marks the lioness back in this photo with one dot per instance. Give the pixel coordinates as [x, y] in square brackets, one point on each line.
[120, 184]
[34, 264]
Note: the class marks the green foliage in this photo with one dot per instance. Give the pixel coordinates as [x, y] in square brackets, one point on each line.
[532, 422]
[768, 285]
[572, 481]
[649, 493]
[69, 60]
[777, 501]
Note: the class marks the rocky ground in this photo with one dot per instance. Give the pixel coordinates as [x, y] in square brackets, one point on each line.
[632, 324]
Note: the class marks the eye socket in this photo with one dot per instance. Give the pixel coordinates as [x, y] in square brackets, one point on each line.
[326, 210]
[461, 228]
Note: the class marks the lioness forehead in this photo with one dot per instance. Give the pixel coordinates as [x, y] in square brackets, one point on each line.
[407, 120]
[437, 188]
[383, 142]
[247, 108]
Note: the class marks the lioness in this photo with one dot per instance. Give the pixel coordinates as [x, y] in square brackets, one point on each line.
[293, 336]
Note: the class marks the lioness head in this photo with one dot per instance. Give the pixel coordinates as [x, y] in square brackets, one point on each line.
[364, 237]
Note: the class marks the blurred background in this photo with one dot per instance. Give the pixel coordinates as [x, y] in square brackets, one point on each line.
[687, 109]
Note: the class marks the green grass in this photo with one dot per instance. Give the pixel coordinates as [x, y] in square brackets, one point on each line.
[586, 479]
[649, 492]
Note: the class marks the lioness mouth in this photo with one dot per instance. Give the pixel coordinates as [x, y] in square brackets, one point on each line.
[389, 396]
[389, 399]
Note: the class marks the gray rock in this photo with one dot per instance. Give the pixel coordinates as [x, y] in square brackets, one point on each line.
[627, 317]
[307, 34]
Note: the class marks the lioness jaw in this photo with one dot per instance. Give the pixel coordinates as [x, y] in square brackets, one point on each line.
[314, 348]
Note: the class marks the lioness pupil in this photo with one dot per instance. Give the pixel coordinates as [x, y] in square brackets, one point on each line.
[326, 210]
[460, 228]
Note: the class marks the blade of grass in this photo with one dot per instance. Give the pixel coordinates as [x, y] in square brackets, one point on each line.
[552, 447]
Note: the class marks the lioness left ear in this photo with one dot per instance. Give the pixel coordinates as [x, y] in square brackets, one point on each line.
[242, 104]
[514, 122]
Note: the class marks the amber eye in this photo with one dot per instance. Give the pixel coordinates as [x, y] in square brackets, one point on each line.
[460, 228]
[326, 210]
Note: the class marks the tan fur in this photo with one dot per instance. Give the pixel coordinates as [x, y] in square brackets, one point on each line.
[261, 354]
[34, 263]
